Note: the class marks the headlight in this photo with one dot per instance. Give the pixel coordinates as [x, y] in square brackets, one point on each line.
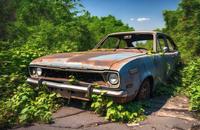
[39, 71]
[113, 78]
[34, 71]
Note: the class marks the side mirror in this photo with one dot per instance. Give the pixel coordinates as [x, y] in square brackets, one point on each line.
[165, 49]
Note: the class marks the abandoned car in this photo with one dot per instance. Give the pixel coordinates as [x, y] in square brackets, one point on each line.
[124, 65]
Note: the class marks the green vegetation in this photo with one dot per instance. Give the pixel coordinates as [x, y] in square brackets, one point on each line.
[191, 82]
[130, 112]
[31, 28]
[27, 105]
[183, 25]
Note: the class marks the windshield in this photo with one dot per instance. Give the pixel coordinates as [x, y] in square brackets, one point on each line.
[127, 41]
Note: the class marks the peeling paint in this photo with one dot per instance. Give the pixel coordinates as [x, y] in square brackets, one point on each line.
[132, 65]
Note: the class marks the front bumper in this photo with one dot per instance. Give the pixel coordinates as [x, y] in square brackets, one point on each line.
[75, 88]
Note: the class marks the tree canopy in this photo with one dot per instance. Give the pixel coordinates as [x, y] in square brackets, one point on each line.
[52, 25]
[183, 24]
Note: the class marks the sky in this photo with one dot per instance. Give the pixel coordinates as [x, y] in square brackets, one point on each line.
[139, 14]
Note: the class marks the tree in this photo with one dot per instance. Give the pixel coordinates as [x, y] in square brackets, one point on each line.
[183, 25]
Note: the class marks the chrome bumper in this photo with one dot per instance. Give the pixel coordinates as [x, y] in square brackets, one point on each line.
[78, 88]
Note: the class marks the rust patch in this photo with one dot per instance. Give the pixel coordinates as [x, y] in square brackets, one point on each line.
[88, 60]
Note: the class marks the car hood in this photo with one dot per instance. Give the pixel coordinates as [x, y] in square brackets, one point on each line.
[96, 60]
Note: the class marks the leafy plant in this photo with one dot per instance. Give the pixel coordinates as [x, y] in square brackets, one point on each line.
[72, 80]
[28, 105]
[191, 83]
[167, 89]
[130, 112]
[194, 94]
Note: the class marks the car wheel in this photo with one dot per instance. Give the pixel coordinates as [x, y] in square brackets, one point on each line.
[145, 90]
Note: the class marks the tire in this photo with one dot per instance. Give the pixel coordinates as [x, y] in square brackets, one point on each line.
[145, 90]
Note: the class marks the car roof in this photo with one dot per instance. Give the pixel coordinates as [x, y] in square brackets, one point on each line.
[135, 32]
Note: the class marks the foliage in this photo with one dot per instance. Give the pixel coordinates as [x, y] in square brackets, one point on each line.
[130, 112]
[183, 25]
[194, 94]
[191, 72]
[101, 26]
[30, 29]
[13, 66]
[27, 105]
[192, 83]
[167, 89]
[7, 8]
[72, 80]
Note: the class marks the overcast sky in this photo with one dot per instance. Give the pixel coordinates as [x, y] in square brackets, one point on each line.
[140, 14]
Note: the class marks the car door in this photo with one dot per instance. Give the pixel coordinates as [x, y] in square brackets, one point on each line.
[171, 54]
[168, 55]
[160, 58]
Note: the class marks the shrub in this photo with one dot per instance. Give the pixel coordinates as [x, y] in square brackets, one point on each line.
[191, 81]
[28, 105]
[194, 94]
[191, 72]
[130, 112]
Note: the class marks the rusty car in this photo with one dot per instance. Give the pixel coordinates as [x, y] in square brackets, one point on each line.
[124, 65]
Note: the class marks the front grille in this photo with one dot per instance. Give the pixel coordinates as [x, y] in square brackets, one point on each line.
[89, 77]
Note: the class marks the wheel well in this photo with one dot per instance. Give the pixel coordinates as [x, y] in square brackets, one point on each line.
[150, 78]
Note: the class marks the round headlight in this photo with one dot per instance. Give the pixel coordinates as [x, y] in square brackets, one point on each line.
[39, 71]
[33, 71]
[113, 78]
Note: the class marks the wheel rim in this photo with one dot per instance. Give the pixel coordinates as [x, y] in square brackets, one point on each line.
[145, 90]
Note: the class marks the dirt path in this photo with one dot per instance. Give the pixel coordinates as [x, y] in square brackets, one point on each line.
[164, 114]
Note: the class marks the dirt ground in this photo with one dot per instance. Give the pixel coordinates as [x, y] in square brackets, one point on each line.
[164, 114]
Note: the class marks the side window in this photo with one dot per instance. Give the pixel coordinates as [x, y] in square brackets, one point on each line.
[122, 44]
[170, 45]
[161, 43]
